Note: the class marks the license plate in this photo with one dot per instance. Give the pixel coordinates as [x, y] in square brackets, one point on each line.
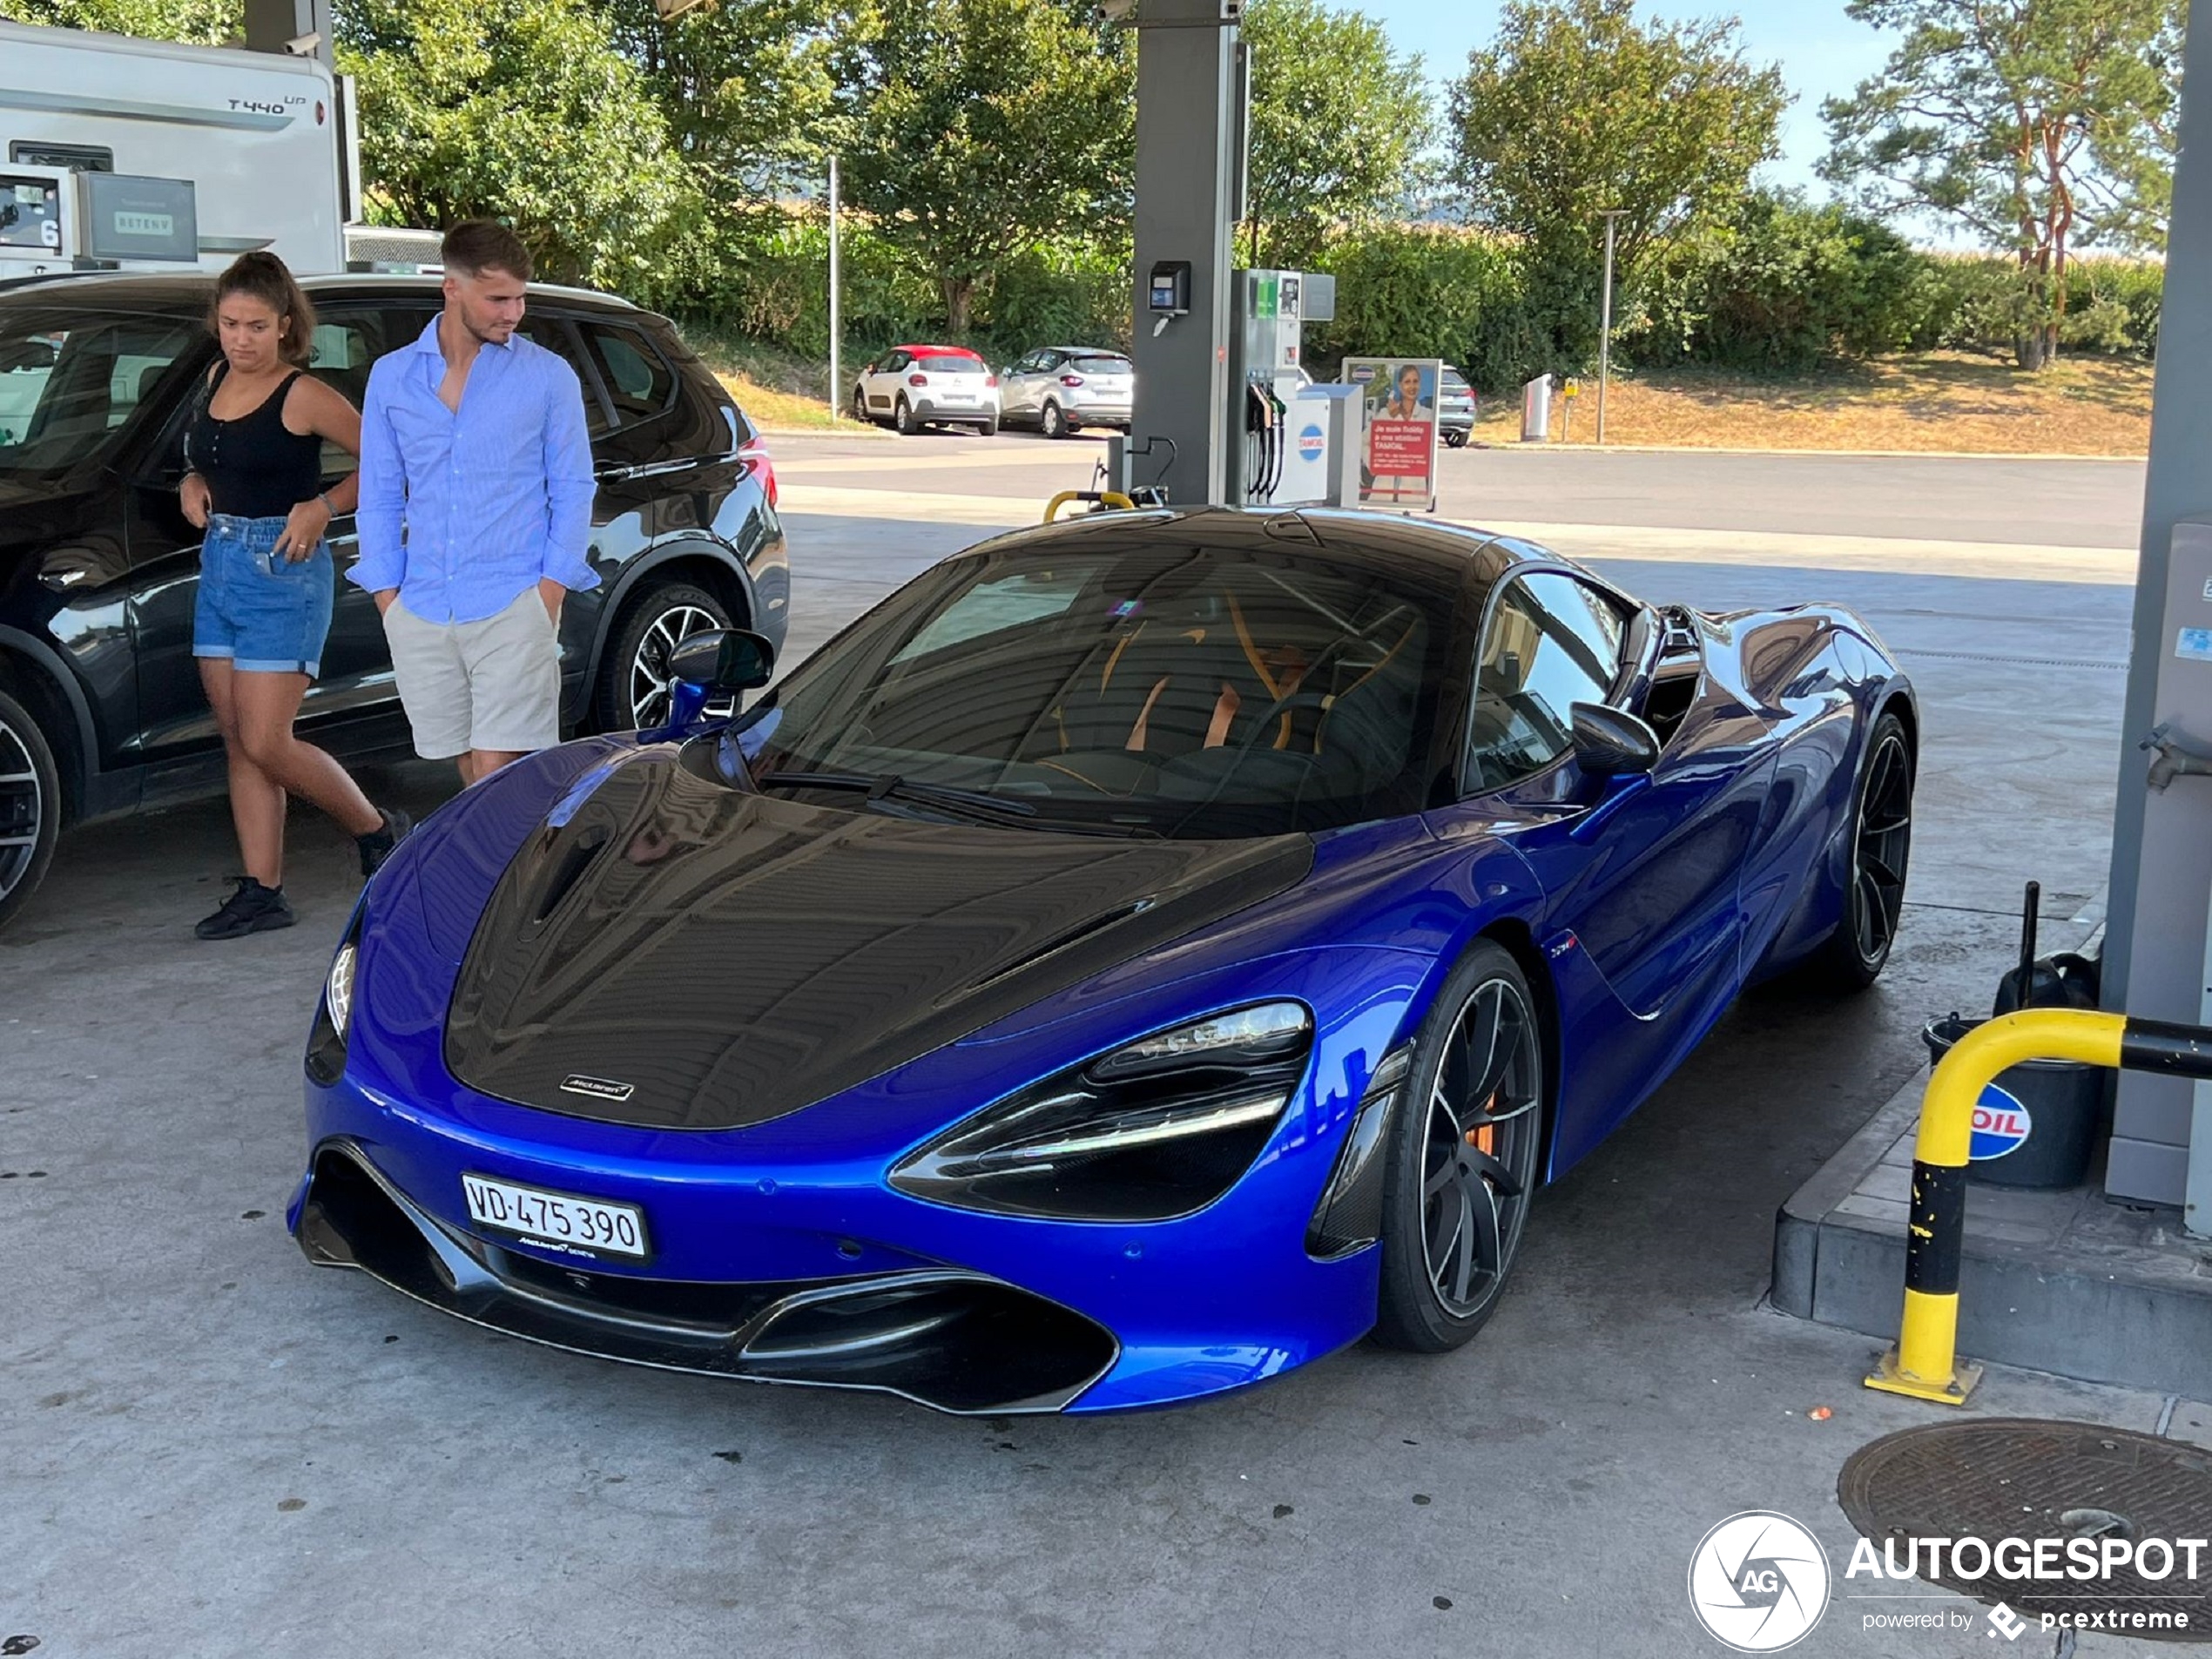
[594, 1226]
[960, 397]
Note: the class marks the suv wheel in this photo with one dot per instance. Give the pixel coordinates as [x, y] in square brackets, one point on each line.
[30, 805]
[1055, 423]
[861, 405]
[903, 418]
[634, 680]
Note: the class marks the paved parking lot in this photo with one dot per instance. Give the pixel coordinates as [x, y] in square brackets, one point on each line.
[207, 1448]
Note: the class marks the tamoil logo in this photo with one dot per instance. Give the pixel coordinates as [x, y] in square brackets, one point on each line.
[2000, 1124]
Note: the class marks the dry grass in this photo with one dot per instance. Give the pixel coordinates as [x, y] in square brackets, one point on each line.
[1938, 401]
[778, 411]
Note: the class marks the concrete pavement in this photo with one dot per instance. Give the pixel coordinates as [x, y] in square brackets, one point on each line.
[208, 1448]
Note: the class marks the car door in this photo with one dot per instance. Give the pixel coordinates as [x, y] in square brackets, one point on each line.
[1021, 386]
[1643, 873]
[882, 383]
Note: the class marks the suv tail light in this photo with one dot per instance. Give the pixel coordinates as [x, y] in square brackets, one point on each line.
[917, 380]
[755, 455]
[1071, 380]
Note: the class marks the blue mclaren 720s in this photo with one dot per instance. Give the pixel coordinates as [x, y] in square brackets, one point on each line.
[1138, 956]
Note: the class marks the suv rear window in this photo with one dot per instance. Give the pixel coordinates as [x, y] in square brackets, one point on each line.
[1100, 365]
[950, 365]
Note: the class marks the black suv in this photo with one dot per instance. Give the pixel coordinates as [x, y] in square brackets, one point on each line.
[100, 705]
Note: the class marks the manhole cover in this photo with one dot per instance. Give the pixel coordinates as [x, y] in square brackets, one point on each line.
[1965, 1505]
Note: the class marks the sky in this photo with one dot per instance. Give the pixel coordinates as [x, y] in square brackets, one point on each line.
[1822, 54]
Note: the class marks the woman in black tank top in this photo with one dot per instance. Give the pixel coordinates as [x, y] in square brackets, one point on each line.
[255, 451]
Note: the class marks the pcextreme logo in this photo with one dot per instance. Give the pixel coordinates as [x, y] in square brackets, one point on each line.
[1759, 1581]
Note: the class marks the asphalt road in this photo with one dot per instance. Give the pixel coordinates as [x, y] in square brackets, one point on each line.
[209, 1448]
[2064, 503]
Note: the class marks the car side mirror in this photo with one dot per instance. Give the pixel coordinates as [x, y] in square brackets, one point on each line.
[724, 660]
[716, 662]
[1612, 743]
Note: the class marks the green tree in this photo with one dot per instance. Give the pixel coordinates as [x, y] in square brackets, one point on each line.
[977, 127]
[522, 110]
[2038, 125]
[743, 88]
[1339, 123]
[1578, 108]
[202, 22]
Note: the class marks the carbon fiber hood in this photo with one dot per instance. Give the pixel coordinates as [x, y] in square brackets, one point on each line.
[682, 954]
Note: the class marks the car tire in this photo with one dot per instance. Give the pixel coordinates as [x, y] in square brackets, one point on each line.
[31, 806]
[632, 692]
[1853, 957]
[1052, 422]
[1454, 1209]
[1455, 440]
[990, 427]
[860, 405]
[902, 417]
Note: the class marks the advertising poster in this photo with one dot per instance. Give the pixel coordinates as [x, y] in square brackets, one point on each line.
[1398, 430]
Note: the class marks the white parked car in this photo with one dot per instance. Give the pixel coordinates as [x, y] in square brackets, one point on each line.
[912, 386]
[1060, 389]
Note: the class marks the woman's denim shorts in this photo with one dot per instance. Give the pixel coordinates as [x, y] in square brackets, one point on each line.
[267, 614]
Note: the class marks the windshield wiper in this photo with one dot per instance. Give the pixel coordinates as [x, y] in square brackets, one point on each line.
[967, 803]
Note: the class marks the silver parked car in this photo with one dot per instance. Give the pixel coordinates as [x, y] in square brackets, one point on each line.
[1060, 389]
[1455, 409]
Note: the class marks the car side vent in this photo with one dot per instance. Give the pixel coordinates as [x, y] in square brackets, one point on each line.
[569, 869]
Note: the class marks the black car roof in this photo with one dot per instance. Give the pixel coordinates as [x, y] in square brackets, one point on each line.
[1448, 554]
[186, 292]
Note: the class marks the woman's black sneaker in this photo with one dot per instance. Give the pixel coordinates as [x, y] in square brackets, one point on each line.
[253, 909]
[377, 844]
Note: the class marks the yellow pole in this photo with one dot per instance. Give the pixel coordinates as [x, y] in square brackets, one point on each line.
[1925, 1362]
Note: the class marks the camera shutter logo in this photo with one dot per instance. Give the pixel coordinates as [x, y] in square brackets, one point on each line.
[1759, 1582]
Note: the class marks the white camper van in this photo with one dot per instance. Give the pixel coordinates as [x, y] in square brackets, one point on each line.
[257, 136]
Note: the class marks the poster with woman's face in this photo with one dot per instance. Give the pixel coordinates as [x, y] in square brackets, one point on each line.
[1398, 417]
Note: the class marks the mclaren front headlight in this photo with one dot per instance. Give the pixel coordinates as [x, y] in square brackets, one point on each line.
[334, 1013]
[1157, 1128]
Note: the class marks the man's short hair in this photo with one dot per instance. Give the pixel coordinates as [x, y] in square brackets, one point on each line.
[475, 246]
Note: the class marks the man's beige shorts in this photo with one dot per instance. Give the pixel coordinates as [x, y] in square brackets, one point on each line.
[494, 684]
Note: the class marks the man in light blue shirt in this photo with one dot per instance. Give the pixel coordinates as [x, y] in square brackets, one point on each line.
[475, 512]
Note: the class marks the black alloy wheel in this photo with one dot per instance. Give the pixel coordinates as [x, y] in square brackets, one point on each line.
[634, 686]
[30, 805]
[1054, 422]
[1466, 1157]
[1856, 952]
[902, 417]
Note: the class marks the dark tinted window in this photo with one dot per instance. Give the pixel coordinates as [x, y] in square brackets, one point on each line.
[347, 341]
[638, 377]
[554, 334]
[1553, 641]
[1099, 365]
[70, 381]
[1137, 685]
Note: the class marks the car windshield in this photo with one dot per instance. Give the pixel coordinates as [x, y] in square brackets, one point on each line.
[70, 381]
[1101, 365]
[1143, 686]
[950, 365]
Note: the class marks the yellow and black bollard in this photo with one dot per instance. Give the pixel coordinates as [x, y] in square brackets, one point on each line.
[1925, 1363]
[1101, 500]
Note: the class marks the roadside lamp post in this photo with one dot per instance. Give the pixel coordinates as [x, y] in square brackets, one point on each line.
[1605, 323]
[836, 385]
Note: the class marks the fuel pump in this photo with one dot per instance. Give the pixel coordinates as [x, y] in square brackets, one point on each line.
[1280, 456]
